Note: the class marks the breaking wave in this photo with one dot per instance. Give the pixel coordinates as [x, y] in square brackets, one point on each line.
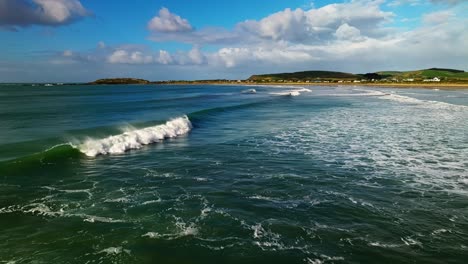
[136, 138]
[131, 138]
[295, 92]
[410, 100]
[424, 103]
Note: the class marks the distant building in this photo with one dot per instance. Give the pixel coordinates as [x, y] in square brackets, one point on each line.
[435, 79]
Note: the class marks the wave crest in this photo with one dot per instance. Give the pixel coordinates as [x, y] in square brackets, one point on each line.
[135, 139]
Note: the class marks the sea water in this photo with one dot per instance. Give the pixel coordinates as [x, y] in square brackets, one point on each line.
[212, 174]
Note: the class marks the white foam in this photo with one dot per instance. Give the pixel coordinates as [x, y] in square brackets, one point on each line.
[441, 231]
[383, 245]
[409, 100]
[93, 219]
[118, 200]
[423, 103]
[288, 93]
[182, 229]
[373, 93]
[411, 242]
[152, 201]
[296, 92]
[304, 90]
[136, 138]
[249, 91]
[115, 251]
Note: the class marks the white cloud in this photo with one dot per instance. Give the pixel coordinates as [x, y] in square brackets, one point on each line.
[196, 56]
[297, 26]
[449, 2]
[168, 22]
[129, 57]
[164, 57]
[438, 17]
[320, 24]
[421, 2]
[351, 36]
[347, 32]
[101, 45]
[59, 11]
[67, 53]
[404, 2]
[23, 13]
[137, 55]
[288, 24]
[441, 44]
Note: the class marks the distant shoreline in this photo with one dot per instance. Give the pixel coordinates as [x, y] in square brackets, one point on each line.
[443, 86]
[446, 86]
[406, 85]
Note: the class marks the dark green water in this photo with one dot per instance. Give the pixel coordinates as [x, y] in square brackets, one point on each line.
[209, 174]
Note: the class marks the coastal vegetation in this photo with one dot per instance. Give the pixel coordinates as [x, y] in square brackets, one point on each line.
[426, 77]
[444, 75]
[121, 81]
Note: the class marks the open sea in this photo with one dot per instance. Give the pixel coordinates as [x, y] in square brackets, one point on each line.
[233, 174]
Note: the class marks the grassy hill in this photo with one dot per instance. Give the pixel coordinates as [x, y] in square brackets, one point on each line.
[304, 76]
[444, 74]
[447, 75]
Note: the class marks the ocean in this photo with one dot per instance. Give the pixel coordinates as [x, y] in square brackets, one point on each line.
[233, 174]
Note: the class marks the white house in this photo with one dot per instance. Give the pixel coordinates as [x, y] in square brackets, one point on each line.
[435, 79]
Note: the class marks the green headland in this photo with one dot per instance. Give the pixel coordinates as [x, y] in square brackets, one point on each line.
[426, 77]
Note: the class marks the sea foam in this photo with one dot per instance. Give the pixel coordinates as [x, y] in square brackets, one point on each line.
[295, 92]
[136, 138]
[411, 100]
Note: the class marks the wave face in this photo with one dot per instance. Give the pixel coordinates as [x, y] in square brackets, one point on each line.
[135, 139]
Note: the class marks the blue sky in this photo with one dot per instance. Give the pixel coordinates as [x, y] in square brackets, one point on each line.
[81, 40]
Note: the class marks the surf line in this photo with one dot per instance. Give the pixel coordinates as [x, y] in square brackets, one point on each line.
[136, 138]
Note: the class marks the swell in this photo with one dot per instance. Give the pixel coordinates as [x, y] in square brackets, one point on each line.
[58, 154]
[198, 116]
[185, 98]
[130, 139]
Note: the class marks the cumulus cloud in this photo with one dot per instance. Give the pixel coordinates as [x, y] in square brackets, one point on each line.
[450, 2]
[347, 32]
[167, 22]
[164, 57]
[101, 45]
[260, 56]
[67, 53]
[320, 24]
[441, 43]
[438, 17]
[296, 26]
[138, 55]
[348, 39]
[420, 2]
[129, 57]
[332, 37]
[23, 13]
[404, 2]
[288, 24]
